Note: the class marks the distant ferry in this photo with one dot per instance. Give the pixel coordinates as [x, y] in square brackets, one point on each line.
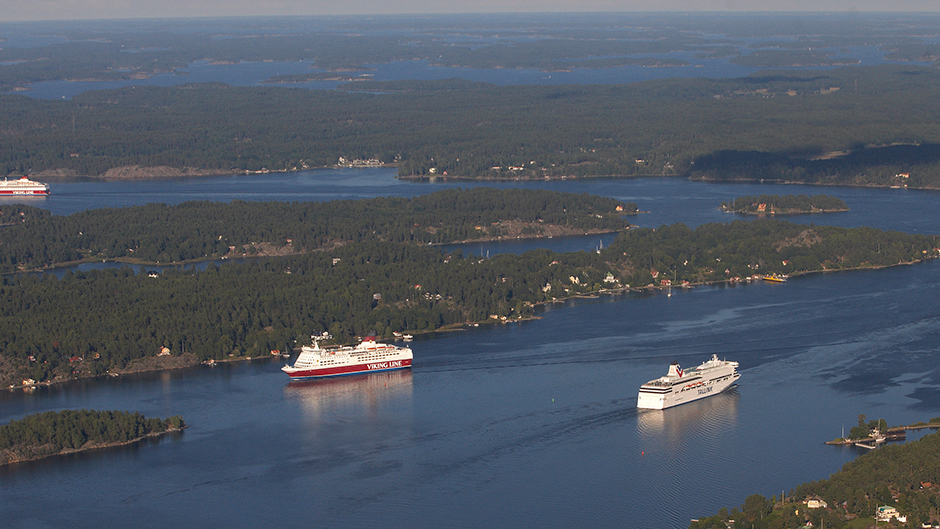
[679, 387]
[23, 186]
[775, 279]
[366, 357]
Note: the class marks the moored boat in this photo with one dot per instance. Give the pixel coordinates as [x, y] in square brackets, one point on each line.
[679, 387]
[368, 356]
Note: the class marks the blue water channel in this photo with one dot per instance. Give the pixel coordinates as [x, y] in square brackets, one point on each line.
[512, 425]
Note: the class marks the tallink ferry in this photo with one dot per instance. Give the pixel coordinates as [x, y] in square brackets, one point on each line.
[679, 387]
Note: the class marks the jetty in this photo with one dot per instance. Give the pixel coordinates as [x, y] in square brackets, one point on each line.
[878, 438]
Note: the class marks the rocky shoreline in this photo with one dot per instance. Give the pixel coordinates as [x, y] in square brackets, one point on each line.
[10, 457]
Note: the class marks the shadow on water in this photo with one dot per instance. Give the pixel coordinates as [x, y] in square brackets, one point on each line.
[365, 392]
[699, 419]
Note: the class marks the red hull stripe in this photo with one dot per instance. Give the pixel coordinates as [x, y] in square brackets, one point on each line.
[4, 192]
[351, 370]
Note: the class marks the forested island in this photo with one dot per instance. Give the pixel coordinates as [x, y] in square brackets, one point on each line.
[91, 323]
[828, 128]
[893, 481]
[65, 432]
[784, 204]
[157, 233]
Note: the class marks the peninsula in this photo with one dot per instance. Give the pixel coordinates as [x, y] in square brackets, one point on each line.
[891, 484]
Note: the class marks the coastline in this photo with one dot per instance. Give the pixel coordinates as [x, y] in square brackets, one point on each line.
[819, 184]
[124, 173]
[186, 360]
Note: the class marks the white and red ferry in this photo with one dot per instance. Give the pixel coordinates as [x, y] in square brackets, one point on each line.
[23, 186]
[368, 356]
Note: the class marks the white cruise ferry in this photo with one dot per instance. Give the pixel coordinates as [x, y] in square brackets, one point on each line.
[23, 186]
[368, 356]
[679, 387]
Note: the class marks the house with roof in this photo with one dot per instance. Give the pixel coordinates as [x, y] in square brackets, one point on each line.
[886, 512]
[815, 502]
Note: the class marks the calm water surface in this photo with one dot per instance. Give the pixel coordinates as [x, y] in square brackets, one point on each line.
[519, 425]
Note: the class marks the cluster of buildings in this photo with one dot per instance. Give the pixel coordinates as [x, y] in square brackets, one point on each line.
[884, 513]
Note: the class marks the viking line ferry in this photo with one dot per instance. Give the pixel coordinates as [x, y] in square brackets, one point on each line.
[23, 186]
[679, 387]
[368, 356]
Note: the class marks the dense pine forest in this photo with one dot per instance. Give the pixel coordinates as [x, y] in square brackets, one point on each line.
[835, 127]
[89, 323]
[901, 476]
[31, 238]
[56, 432]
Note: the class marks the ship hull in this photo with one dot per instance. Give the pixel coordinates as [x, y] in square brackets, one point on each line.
[338, 371]
[20, 192]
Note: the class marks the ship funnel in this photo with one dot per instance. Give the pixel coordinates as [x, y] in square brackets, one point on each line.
[674, 370]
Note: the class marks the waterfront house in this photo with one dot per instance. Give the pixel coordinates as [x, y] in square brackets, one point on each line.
[815, 502]
[886, 512]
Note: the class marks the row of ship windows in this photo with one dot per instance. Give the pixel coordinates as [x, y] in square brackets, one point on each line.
[332, 361]
[686, 381]
[706, 383]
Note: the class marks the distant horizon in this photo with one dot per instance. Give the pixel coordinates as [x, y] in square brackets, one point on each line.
[113, 10]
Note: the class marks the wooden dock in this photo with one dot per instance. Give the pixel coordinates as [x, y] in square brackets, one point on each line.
[893, 434]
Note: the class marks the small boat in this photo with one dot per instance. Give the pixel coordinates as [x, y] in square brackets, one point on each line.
[775, 278]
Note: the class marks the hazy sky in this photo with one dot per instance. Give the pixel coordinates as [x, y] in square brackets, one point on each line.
[14, 10]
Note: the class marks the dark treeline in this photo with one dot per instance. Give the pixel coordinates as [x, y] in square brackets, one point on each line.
[712, 129]
[799, 58]
[719, 252]
[783, 204]
[901, 476]
[90, 322]
[203, 230]
[50, 433]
